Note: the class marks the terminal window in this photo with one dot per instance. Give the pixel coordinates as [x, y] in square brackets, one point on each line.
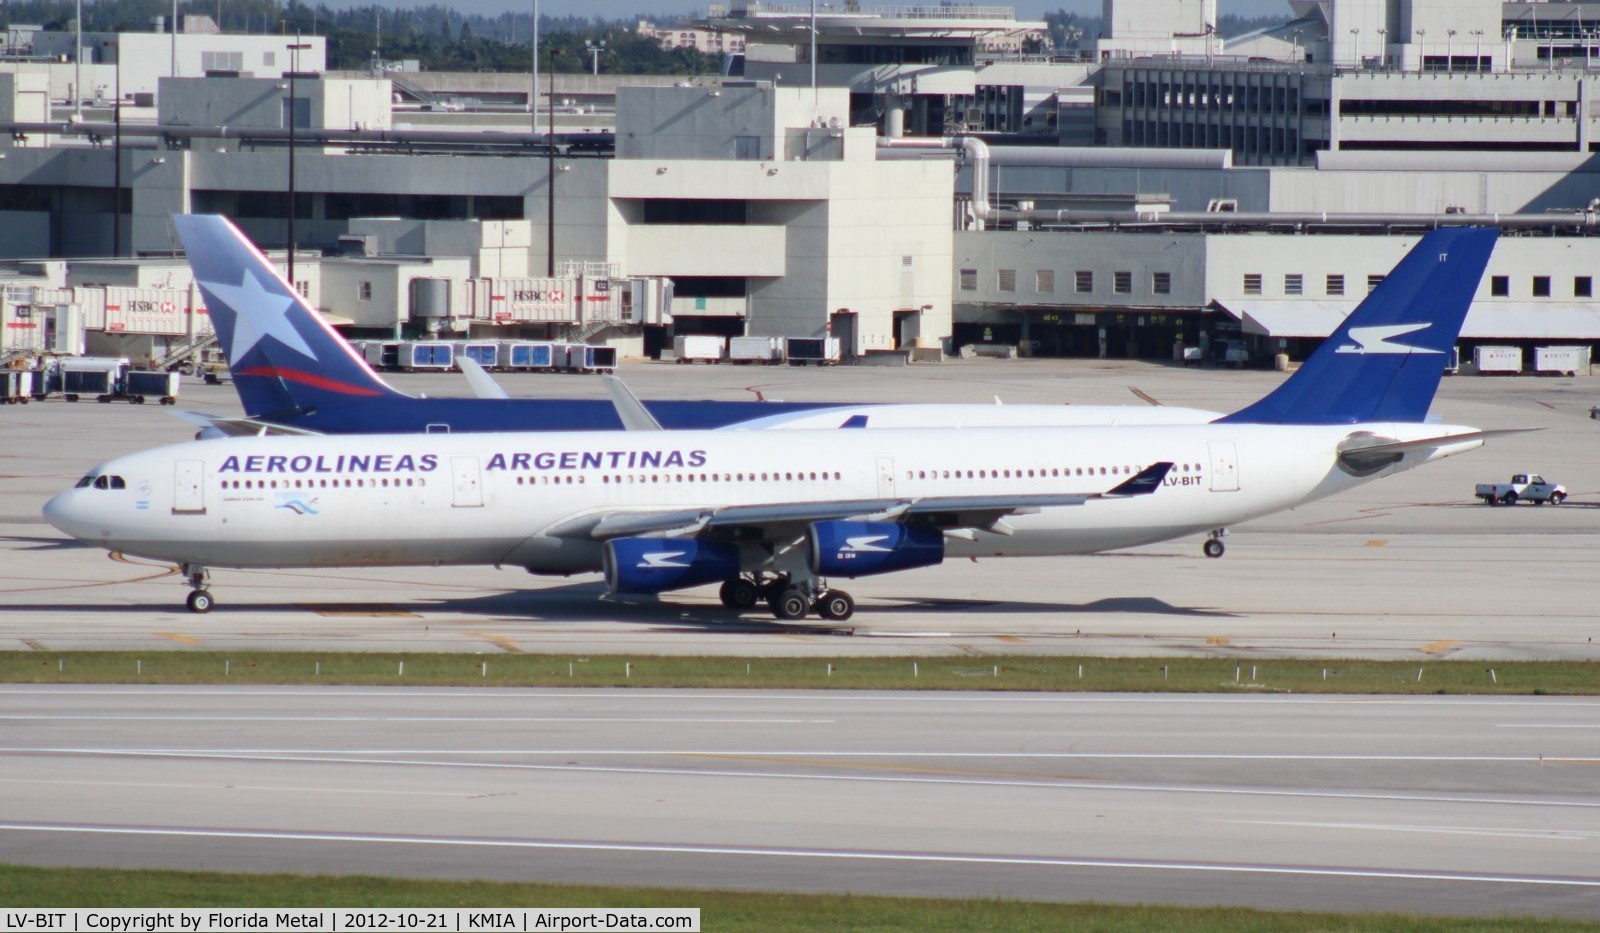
[1582, 287]
[1083, 282]
[969, 280]
[1373, 281]
[1541, 286]
[1294, 284]
[1252, 283]
[1161, 283]
[1122, 282]
[364, 291]
[1007, 280]
[1500, 286]
[1335, 285]
[1044, 281]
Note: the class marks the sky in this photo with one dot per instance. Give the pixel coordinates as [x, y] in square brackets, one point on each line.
[623, 9]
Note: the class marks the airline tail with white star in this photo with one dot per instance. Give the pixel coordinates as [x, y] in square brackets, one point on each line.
[284, 357]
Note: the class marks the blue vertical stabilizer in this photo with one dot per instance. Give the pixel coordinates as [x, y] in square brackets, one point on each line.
[284, 357]
[1385, 361]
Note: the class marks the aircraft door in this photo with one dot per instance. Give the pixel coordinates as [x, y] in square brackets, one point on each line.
[1224, 466]
[188, 488]
[468, 482]
[886, 477]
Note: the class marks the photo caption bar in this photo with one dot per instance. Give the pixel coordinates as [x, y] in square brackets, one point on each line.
[347, 920]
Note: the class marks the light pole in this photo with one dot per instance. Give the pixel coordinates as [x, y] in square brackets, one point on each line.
[533, 101]
[293, 116]
[116, 156]
[1422, 50]
[595, 47]
[1355, 49]
[77, 63]
[1383, 47]
[1449, 50]
[550, 175]
[1477, 54]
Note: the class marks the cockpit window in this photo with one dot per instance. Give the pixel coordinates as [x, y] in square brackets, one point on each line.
[82, 483]
[102, 482]
[117, 483]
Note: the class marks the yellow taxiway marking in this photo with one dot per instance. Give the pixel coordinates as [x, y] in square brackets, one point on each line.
[1012, 639]
[1218, 641]
[1377, 542]
[499, 641]
[1439, 647]
[347, 610]
[180, 639]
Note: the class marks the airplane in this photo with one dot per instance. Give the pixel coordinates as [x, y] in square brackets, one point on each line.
[296, 375]
[774, 515]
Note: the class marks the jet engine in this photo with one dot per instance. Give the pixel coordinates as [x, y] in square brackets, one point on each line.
[655, 565]
[860, 549]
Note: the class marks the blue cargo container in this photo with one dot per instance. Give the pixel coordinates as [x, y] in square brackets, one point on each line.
[432, 355]
[484, 353]
[524, 356]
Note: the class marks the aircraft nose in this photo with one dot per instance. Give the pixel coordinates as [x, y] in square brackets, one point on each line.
[64, 512]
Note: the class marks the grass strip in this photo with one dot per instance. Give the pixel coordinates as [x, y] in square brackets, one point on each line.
[997, 672]
[720, 911]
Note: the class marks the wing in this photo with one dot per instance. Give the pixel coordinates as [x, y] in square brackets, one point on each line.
[770, 520]
[236, 427]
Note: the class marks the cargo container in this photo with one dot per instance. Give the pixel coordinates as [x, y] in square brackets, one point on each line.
[765, 350]
[100, 376]
[823, 351]
[485, 353]
[1497, 359]
[159, 385]
[698, 348]
[16, 386]
[583, 358]
[525, 356]
[429, 355]
[1568, 360]
[381, 354]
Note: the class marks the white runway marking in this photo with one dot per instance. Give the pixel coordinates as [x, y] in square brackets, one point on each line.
[839, 854]
[290, 753]
[1042, 783]
[1563, 835]
[261, 787]
[55, 717]
[842, 696]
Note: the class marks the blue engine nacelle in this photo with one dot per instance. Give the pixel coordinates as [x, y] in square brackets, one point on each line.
[859, 549]
[655, 565]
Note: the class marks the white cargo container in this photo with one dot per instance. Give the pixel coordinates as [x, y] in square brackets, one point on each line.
[1569, 360]
[1497, 359]
[698, 348]
[766, 350]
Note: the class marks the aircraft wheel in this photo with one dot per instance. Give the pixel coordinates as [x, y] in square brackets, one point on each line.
[790, 604]
[739, 593]
[1213, 548]
[199, 601]
[836, 605]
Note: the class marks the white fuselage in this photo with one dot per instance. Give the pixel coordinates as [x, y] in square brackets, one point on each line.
[513, 498]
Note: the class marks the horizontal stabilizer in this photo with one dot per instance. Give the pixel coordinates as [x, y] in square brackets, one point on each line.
[630, 411]
[482, 384]
[237, 427]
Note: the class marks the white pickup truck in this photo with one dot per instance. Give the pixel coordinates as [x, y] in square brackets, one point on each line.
[1529, 486]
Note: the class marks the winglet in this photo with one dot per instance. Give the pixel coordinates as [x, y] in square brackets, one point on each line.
[284, 357]
[631, 411]
[482, 384]
[1385, 361]
[1145, 482]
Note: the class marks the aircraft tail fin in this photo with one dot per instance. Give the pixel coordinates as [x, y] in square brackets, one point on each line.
[283, 355]
[1385, 361]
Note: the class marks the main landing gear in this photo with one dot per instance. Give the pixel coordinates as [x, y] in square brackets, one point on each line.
[199, 600]
[789, 600]
[1213, 546]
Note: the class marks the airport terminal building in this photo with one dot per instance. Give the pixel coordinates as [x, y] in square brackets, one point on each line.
[1159, 197]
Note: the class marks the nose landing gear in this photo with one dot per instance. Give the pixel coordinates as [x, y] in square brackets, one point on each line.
[199, 600]
[1213, 546]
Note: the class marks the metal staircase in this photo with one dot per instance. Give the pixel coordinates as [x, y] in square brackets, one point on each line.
[187, 352]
